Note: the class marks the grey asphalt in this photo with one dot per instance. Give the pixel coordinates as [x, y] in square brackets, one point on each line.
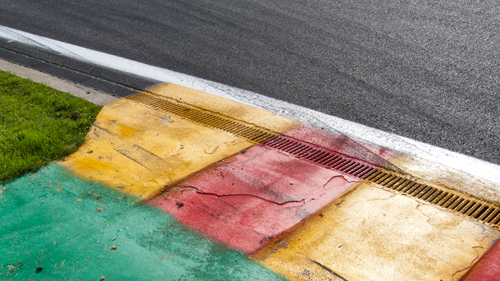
[425, 70]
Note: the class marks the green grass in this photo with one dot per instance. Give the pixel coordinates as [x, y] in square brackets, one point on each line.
[38, 125]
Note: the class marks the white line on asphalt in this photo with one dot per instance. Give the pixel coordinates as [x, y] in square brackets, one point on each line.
[467, 164]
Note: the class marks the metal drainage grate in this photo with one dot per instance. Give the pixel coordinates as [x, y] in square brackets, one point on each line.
[469, 206]
[320, 156]
[204, 117]
[301, 150]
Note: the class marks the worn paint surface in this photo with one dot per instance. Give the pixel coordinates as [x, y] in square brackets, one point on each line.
[140, 150]
[249, 199]
[371, 234]
[51, 220]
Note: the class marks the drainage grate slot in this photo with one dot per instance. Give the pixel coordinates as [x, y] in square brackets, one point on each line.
[472, 208]
[460, 204]
[479, 212]
[405, 185]
[439, 197]
[415, 189]
[326, 159]
[320, 156]
[465, 207]
[484, 216]
[494, 217]
[388, 179]
[482, 211]
[335, 162]
[375, 175]
[430, 194]
[343, 166]
[393, 181]
[425, 189]
[453, 202]
[457, 203]
[353, 168]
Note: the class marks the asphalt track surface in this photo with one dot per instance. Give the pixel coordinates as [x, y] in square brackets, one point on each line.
[428, 71]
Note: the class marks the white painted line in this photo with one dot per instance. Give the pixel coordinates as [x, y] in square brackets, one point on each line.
[460, 162]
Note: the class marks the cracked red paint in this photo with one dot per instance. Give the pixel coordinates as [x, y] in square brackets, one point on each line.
[253, 197]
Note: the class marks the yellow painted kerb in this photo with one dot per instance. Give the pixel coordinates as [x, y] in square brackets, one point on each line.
[373, 234]
[141, 150]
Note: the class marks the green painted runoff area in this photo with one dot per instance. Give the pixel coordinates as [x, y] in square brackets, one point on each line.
[57, 226]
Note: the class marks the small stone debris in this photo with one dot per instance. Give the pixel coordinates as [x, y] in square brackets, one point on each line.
[320, 214]
[114, 247]
[75, 115]
[114, 238]
[179, 204]
[100, 209]
[90, 151]
[291, 183]
[38, 269]
[102, 278]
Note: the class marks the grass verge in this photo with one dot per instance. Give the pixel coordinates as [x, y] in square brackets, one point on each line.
[38, 125]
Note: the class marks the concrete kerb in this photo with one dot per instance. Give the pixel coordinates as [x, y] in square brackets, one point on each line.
[268, 256]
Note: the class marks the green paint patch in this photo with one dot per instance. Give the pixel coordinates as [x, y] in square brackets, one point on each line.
[38, 125]
[56, 226]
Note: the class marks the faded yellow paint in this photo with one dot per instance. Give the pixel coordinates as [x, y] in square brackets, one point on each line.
[372, 234]
[237, 110]
[141, 150]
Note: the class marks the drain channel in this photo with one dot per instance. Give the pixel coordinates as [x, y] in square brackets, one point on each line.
[320, 156]
[469, 206]
[302, 150]
[448, 199]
